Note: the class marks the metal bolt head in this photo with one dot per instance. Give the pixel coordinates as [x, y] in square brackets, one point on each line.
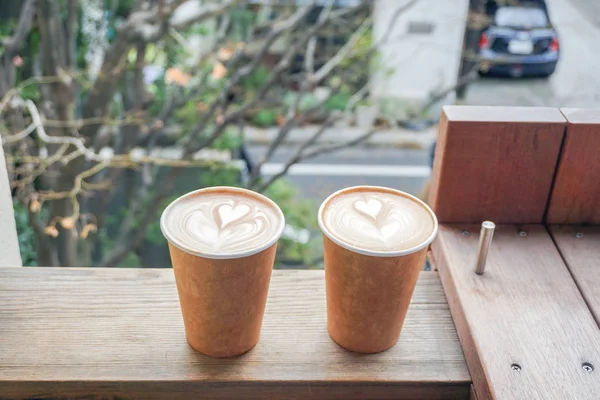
[579, 235]
[515, 367]
[587, 367]
[466, 233]
[522, 233]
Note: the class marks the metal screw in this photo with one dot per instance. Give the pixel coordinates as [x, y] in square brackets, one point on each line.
[485, 240]
[466, 233]
[587, 367]
[579, 235]
[515, 367]
[523, 233]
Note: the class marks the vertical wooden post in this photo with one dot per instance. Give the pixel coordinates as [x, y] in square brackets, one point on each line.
[576, 195]
[495, 163]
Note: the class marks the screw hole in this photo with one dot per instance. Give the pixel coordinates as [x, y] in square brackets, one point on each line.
[466, 233]
[586, 366]
[515, 367]
[579, 235]
[522, 233]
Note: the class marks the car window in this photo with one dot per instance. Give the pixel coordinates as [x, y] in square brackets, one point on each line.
[520, 17]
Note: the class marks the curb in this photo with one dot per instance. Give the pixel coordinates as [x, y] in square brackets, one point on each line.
[398, 138]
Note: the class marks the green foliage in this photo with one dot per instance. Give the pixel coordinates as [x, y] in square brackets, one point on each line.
[299, 214]
[265, 118]
[132, 260]
[308, 100]
[229, 140]
[256, 78]
[221, 175]
[25, 234]
[338, 101]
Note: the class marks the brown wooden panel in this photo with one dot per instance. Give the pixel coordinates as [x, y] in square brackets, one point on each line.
[576, 193]
[73, 333]
[472, 394]
[524, 327]
[495, 163]
[580, 248]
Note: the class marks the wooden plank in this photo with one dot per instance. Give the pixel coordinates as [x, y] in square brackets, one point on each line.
[580, 248]
[72, 333]
[524, 327]
[495, 163]
[576, 190]
[472, 394]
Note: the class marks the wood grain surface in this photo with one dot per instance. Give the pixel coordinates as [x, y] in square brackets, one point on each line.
[472, 394]
[580, 248]
[576, 190]
[524, 327]
[495, 163]
[72, 333]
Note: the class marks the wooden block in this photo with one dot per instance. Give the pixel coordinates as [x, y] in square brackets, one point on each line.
[525, 329]
[472, 394]
[576, 195]
[118, 333]
[495, 163]
[580, 248]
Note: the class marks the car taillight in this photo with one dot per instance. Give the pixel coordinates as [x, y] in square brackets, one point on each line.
[554, 45]
[484, 41]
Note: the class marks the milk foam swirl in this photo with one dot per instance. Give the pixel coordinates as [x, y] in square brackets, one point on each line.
[378, 220]
[220, 222]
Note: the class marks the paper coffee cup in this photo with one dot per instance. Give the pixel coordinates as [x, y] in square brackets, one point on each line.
[222, 242]
[375, 241]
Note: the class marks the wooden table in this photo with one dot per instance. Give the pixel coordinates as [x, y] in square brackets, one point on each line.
[73, 333]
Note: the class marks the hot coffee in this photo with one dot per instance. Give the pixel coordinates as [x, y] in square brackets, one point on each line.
[377, 219]
[222, 222]
[222, 242]
[375, 241]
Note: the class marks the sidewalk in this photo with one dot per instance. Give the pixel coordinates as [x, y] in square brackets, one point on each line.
[400, 138]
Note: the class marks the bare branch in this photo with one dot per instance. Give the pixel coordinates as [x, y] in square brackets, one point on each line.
[342, 53]
[399, 11]
[16, 41]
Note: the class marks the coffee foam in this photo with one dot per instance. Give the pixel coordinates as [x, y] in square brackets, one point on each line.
[222, 222]
[376, 219]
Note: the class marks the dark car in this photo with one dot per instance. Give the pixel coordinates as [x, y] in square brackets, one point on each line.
[521, 41]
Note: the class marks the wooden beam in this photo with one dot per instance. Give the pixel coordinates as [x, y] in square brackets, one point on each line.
[495, 163]
[525, 329]
[580, 249]
[473, 394]
[576, 190]
[74, 333]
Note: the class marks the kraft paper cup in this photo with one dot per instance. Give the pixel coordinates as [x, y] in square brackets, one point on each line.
[223, 297]
[368, 292]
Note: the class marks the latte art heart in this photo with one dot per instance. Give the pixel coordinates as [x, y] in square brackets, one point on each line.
[371, 207]
[377, 220]
[226, 213]
[222, 222]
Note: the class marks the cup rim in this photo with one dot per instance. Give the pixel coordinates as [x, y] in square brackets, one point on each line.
[216, 256]
[375, 253]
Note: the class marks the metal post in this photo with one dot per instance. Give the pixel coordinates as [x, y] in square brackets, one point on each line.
[485, 240]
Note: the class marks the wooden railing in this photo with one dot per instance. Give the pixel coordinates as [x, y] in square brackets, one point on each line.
[118, 333]
[528, 326]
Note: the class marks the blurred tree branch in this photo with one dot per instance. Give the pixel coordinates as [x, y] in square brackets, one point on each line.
[79, 133]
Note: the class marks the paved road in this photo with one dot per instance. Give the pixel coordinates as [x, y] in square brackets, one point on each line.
[316, 178]
[576, 82]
